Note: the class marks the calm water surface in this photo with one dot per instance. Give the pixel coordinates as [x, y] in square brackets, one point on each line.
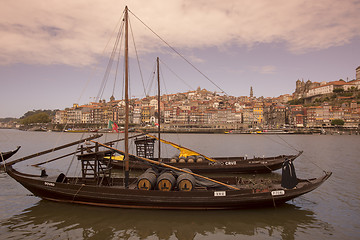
[330, 212]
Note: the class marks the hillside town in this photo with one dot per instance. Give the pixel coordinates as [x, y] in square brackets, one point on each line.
[201, 108]
[312, 105]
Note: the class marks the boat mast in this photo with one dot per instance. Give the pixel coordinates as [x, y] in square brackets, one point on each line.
[126, 99]
[159, 116]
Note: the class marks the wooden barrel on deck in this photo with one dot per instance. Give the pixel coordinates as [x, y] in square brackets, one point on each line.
[165, 182]
[200, 159]
[190, 159]
[147, 180]
[185, 181]
[182, 160]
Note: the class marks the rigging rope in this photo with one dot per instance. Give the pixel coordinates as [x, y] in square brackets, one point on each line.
[176, 75]
[151, 81]
[303, 154]
[117, 66]
[110, 62]
[72, 160]
[288, 143]
[137, 57]
[292, 147]
[178, 53]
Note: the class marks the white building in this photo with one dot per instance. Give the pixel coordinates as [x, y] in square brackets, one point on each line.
[329, 88]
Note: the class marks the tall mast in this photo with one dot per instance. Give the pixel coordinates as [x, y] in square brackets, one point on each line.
[159, 112]
[126, 99]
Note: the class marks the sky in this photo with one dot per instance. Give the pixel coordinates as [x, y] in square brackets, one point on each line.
[55, 53]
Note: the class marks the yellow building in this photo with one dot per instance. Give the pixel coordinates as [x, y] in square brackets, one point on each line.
[258, 112]
[145, 115]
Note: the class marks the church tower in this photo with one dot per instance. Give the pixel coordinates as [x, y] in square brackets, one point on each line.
[251, 92]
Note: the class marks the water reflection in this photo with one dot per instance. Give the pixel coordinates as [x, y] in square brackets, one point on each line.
[48, 220]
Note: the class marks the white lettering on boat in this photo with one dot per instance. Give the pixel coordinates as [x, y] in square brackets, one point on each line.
[277, 193]
[49, 184]
[230, 163]
[219, 194]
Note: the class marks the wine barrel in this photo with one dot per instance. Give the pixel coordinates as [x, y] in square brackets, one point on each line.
[182, 160]
[165, 182]
[147, 180]
[191, 159]
[200, 159]
[185, 182]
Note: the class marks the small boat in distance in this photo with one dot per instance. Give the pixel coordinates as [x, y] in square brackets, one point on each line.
[7, 155]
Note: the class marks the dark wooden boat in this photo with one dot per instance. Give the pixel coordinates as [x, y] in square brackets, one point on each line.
[100, 188]
[199, 163]
[160, 187]
[7, 155]
[222, 164]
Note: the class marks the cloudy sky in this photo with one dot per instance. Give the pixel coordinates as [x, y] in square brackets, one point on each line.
[54, 53]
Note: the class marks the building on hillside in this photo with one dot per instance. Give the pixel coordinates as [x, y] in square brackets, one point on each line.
[137, 116]
[275, 115]
[355, 83]
[248, 117]
[97, 115]
[258, 111]
[302, 88]
[329, 88]
[60, 117]
[145, 115]
[314, 116]
[297, 116]
[86, 117]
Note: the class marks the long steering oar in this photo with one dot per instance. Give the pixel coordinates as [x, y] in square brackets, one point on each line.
[53, 149]
[77, 151]
[167, 166]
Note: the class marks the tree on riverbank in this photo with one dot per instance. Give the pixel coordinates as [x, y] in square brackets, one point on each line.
[40, 117]
[337, 122]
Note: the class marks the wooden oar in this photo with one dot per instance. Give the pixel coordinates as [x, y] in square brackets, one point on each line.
[90, 147]
[167, 166]
[53, 149]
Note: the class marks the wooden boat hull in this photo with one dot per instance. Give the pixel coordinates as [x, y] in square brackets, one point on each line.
[118, 196]
[223, 164]
[7, 155]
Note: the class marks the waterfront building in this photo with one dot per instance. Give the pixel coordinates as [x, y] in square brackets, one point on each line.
[145, 114]
[248, 116]
[314, 116]
[258, 113]
[297, 116]
[60, 117]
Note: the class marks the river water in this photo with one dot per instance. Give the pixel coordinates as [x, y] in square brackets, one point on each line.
[330, 212]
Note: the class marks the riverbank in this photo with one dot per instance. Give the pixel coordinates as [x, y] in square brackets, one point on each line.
[199, 130]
